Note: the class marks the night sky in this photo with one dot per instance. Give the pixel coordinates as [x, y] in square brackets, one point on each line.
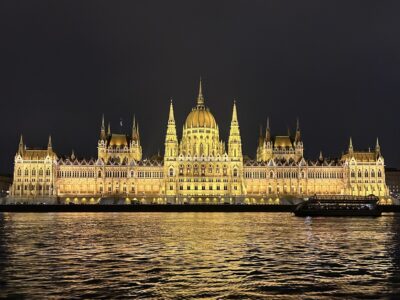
[334, 65]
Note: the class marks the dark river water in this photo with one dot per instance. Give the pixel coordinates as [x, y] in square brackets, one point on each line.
[198, 255]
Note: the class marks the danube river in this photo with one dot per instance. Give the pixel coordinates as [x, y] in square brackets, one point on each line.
[198, 255]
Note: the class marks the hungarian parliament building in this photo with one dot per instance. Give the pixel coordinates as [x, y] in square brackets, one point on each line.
[197, 168]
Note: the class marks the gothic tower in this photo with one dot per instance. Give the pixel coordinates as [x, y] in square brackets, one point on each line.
[234, 141]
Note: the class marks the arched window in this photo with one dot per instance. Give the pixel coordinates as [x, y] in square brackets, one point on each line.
[372, 173]
[171, 172]
[26, 172]
[99, 174]
[366, 173]
[353, 174]
[271, 174]
[359, 173]
[48, 172]
[224, 170]
[19, 172]
[40, 172]
[235, 172]
[379, 173]
[33, 172]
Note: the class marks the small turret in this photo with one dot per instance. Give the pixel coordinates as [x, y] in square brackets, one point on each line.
[268, 132]
[109, 129]
[260, 138]
[351, 149]
[73, 155]
[135, 132]
[297, 137]
[21, 146]
[377, 148]
[49, 145]
[103, 129]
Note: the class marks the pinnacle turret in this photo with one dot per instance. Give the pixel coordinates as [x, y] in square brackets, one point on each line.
[103, 129]
[49, 144]
[351, 149]
[21, 145]
[268, 132]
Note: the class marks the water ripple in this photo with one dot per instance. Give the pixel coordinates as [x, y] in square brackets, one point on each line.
[197, 256]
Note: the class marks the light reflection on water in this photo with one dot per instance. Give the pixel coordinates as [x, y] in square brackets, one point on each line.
[198, 255]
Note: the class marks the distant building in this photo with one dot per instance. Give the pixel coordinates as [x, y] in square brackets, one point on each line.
[393, 181]
[5, 183]
[197, 168]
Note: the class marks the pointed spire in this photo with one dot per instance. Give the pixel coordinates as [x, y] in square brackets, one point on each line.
[109, 129]
[321, 158]
[260, 137]
[21, 145]
[103, 129]
[73, 155]
[171, 117]
[297, 137]
[351, 149]
[49, 144]
[133, 127]
[268, 132]
[377, 147]
[200, 98]
[234, 113]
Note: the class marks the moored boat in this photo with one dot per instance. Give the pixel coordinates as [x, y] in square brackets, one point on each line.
[339, 206]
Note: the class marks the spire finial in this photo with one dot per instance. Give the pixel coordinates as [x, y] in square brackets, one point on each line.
[200, 98]
[109, 129]
[320, 156]
[102, 123]
[297, 124]
[268, 123]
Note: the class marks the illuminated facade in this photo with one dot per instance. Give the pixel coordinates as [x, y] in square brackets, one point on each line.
[198, 168]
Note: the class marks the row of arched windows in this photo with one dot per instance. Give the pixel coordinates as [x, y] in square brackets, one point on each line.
[291, 174]
[33, 172]
[366, 174]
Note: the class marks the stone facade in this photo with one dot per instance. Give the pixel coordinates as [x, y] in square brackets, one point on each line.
[198, 168]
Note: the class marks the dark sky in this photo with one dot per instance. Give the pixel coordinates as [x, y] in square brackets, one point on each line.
[333, 64]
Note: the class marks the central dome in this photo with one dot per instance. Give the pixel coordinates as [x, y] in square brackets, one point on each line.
[200, 116]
